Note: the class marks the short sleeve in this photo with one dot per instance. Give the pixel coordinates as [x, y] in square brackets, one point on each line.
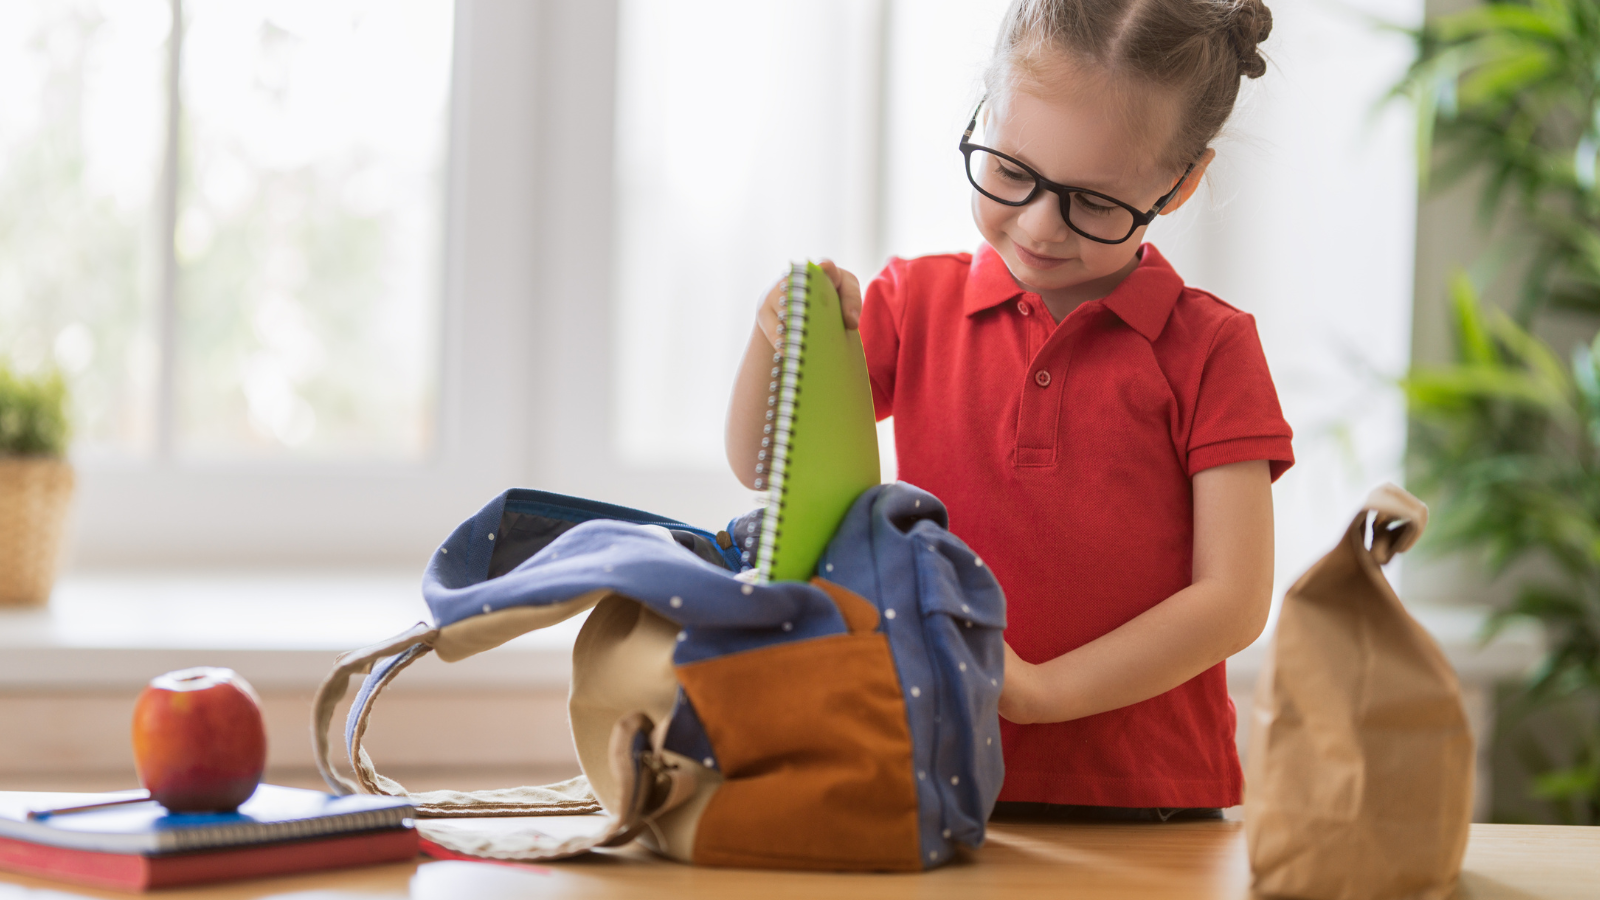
[1237, 417]
[881, 307]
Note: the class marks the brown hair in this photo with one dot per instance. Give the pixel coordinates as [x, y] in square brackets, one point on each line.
[1198, 48]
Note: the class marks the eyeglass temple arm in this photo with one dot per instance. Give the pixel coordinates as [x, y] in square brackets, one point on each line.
[1167, 197]
[973, 125]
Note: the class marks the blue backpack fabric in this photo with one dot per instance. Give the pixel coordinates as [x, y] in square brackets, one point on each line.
[893, 585]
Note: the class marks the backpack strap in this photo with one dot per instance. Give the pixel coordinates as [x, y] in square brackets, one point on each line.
[565, 798]
[337, 684]
[647, 784]
[384, 661]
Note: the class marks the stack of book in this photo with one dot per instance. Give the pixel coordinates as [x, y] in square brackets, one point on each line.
[140, 846]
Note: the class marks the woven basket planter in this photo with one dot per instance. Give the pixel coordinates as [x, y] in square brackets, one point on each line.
[34, 495]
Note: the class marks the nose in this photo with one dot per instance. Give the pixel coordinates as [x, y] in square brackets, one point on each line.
[1041, 220]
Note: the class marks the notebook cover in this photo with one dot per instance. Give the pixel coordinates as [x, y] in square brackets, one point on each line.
[825, 451]
[273, 813]
[139, 872]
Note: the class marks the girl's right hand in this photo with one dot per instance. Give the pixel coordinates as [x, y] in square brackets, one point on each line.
[772, 306]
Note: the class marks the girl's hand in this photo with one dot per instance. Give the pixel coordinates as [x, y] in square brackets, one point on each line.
[772, 310]
[772, 306]
[1019, 695]
[751, 387]
[849, 292]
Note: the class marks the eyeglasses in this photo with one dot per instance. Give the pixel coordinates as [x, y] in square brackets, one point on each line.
[1096, 216]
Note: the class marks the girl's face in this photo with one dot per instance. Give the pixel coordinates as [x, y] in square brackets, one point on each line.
[1086, 137]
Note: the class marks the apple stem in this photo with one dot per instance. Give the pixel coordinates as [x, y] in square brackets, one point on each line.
[36, 814]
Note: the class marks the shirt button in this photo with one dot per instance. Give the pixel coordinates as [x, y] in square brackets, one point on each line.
[1042, 378]
[1024, 308]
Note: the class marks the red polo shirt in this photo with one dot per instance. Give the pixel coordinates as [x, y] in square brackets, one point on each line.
[1064, 454]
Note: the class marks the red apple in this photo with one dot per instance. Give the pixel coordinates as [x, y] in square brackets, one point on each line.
[198, 740]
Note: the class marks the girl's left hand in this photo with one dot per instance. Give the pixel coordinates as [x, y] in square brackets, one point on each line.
[1019, 693]
[849, 292]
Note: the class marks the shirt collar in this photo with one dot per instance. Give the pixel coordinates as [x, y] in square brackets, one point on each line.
[989, 282]
[1144, 300]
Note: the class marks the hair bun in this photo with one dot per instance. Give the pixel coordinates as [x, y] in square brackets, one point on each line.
[1249, 23]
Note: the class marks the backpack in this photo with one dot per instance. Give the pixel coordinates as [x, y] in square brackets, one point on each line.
[848, 723]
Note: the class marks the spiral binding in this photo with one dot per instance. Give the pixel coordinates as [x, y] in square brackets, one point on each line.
[782, 400]
[199, 838]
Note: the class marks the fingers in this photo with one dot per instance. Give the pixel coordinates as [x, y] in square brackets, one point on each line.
[849, 289]
[771, 311]
[845, 283]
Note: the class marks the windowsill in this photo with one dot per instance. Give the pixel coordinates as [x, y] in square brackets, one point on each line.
[283, 631]
[280, 630]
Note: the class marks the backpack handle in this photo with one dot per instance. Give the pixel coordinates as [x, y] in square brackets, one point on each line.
[647, 785]
[337, 684]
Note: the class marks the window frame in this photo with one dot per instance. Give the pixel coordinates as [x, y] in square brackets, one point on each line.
[164, 511]
[525, 377]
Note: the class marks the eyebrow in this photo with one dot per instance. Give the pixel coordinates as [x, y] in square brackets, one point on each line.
[1091, 184]
[1101, 186]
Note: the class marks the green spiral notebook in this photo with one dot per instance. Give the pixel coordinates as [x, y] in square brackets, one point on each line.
[820, 446]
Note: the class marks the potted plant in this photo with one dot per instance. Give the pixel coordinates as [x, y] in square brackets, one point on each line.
[35, 485]
[1505, 437]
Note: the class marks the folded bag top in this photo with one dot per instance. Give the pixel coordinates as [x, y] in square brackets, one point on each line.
[845, 723]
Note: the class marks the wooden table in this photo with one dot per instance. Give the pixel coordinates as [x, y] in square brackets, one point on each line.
[1084, 862]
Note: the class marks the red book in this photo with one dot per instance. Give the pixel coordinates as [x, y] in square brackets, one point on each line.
[141, 872]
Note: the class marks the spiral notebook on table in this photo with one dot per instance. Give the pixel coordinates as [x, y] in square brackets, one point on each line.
[273, 813]
[140, 846]
[820, 442]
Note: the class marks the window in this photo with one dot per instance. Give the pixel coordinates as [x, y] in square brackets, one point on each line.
[729, 164]
[243, 204]
[81, 154]
[309, 201]
[262, 243]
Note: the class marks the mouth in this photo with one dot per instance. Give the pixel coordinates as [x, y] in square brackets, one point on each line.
[1035, 261]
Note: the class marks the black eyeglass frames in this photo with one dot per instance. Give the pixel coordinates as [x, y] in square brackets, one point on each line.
[1012, 182]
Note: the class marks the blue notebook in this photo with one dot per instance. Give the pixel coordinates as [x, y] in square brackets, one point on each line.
[271, 814]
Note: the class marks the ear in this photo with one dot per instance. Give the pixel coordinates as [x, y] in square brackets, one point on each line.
[1191, 183]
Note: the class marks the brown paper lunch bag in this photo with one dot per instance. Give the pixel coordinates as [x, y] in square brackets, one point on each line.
[1359, 775]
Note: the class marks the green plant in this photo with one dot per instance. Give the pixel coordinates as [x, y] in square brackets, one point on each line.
[1504, 439]
[1509, 437]
[1510, 91]
[33, 414]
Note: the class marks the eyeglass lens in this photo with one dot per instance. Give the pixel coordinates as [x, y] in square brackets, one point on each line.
[1003, 180]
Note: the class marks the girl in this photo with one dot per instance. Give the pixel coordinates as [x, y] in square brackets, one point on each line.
[1103, 436]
